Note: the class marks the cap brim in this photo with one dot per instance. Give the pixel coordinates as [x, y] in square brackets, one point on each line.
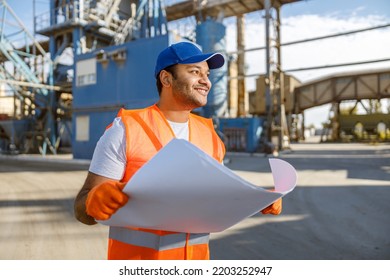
[214, 60]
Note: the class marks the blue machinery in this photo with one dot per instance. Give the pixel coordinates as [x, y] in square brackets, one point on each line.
[114, 44]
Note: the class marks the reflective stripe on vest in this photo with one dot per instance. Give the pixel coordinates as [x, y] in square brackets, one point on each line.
[154, 241]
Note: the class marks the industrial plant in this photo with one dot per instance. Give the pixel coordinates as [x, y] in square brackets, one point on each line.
[63, 82]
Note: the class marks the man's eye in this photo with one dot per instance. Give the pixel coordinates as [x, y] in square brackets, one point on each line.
[196, 72]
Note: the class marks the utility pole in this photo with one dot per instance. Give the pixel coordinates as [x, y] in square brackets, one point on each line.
[283, 133]
[274, 88]
[241, 66]
[268, 75]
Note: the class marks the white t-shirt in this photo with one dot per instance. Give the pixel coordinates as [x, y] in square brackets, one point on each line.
[109, 157]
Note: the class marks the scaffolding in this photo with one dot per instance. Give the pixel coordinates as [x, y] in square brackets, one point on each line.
[38, 76]
[26, 71]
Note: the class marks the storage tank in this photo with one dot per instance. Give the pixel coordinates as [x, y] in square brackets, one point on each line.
[211, 36]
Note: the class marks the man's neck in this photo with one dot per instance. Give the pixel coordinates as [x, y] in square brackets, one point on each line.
[173, 114]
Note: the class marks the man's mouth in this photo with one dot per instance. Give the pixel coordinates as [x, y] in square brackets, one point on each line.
[202, 91]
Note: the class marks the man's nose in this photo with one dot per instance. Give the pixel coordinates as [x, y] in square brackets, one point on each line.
[204, 79]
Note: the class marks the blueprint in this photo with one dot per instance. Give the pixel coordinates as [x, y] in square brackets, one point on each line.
[183, 189]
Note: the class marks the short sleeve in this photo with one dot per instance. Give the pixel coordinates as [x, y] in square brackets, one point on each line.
[109, 157]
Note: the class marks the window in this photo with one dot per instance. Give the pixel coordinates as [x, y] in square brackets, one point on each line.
[86, 72]
[82, 128]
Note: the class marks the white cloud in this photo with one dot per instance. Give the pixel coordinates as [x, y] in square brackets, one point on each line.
[362, 46]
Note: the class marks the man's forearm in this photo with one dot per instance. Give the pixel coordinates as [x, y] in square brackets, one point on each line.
[80, 211]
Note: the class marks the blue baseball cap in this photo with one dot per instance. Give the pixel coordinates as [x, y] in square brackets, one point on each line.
[186, 53]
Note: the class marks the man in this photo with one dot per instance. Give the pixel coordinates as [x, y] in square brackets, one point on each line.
[182, 81]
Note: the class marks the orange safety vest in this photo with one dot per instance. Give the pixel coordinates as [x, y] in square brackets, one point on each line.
[147, 131]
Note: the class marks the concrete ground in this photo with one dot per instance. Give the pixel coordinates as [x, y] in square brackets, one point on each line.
[340, 208]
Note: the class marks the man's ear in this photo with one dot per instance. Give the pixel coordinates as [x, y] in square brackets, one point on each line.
[165, 78]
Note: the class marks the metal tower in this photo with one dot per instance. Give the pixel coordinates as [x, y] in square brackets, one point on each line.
[275, 96]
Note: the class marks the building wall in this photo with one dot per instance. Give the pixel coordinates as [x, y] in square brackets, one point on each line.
[109, 79]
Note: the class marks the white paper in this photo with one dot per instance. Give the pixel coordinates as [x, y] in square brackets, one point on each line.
[183, 189]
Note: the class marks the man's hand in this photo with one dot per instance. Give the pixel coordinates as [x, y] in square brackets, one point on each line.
[274, 209]
[105, 199]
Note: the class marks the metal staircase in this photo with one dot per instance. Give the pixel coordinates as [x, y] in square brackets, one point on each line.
[33, 71]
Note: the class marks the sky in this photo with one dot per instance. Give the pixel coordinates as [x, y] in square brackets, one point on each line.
[301, 20]
[309, 19]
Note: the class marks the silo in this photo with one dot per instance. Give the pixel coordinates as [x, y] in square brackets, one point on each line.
[211, 36]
